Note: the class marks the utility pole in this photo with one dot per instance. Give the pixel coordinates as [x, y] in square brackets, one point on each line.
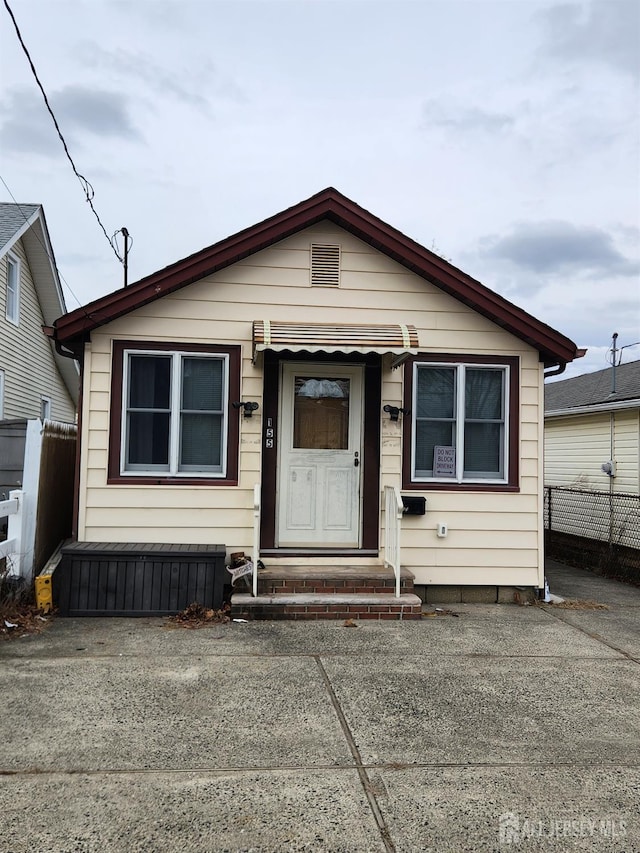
[125, 234]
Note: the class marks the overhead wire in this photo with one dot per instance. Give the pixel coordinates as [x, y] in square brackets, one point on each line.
[128, 239]
[626, 346]
[84, 183]
[614, 356]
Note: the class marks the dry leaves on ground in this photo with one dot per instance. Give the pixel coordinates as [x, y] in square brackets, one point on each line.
[440, 611]
[197, 616]
[19, 620]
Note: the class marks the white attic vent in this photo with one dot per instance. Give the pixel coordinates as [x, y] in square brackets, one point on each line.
[325, 264]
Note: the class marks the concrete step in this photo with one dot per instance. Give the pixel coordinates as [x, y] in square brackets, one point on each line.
[359, 579]
[326, 605]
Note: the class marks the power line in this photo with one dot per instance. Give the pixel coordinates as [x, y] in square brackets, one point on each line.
[84, 183]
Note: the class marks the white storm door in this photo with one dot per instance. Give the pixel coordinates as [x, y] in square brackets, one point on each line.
[320, 455]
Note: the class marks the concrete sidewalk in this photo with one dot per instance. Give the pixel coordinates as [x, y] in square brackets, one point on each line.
[501, 728]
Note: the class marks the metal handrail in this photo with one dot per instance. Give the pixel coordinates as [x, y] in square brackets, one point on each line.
[393, 511]
[256, 538]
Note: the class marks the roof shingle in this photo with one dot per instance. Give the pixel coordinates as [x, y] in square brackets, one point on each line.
[592, 389]
[12, 218]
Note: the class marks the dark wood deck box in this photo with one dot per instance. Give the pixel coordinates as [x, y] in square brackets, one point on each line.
[124, 579]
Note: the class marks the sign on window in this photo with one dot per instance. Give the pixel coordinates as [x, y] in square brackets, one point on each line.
[444, 461]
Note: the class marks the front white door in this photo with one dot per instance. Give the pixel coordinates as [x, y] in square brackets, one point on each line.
[320, 452]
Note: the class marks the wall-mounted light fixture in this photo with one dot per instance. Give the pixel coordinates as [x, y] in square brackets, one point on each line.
[249, 407]
[394, 411]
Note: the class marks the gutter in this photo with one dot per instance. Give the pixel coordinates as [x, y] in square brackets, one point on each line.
[65, 352]
[556, 371]
[594, 409]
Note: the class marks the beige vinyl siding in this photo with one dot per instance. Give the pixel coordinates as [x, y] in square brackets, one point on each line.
[493, 537]
[626, 451]
[26, 356]
[576, 447]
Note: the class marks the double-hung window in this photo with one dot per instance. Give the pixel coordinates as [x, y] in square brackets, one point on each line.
[461, 422]
[174, 413]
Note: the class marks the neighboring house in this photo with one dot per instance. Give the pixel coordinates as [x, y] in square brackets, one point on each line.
[372, 363]
[592, 470]
[590, 421]
[35, 380]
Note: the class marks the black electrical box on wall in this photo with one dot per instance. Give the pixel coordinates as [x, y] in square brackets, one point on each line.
[414, 505]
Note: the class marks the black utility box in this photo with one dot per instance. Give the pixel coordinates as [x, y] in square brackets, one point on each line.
[414, 505]
[123, 579]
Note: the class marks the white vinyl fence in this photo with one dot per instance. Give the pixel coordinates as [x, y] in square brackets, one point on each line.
[35, 524]
[13, 548]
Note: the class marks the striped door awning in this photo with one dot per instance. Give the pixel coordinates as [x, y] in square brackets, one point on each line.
[396, 338]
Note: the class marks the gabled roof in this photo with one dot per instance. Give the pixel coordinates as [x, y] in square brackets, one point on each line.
[595, 390]
[14, 221]
[26, 222]
[554, 348]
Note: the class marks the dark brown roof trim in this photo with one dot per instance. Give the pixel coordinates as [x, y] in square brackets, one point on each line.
[554, 348]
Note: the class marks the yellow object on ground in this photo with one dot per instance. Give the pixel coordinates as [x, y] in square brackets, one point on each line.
[44, 592]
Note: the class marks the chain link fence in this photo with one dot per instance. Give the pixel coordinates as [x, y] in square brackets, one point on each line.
[596, 530]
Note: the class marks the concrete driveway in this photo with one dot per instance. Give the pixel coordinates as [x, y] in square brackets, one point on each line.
[502, 728]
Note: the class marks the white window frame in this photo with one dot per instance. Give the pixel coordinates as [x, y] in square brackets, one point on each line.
[177, 357]
[45, 408]
[2, 384]
[461, 368]
[12, 292]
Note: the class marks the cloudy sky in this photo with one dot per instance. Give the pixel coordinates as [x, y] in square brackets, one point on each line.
[504, 135]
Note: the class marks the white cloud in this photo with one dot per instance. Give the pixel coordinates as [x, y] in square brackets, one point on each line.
[465, 119]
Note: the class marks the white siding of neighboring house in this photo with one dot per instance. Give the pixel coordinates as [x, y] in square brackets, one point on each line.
[26, 356]
[627, 451]
[577, 445]
[494, 538]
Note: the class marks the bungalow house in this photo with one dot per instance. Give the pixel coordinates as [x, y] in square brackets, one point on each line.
[323, 392]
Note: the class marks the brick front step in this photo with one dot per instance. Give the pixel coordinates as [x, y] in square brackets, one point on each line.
[343, 580]
[313, 606]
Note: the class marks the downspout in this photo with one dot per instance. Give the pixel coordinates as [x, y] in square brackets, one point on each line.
[50, 332]
[556, 370]
[76, 477]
